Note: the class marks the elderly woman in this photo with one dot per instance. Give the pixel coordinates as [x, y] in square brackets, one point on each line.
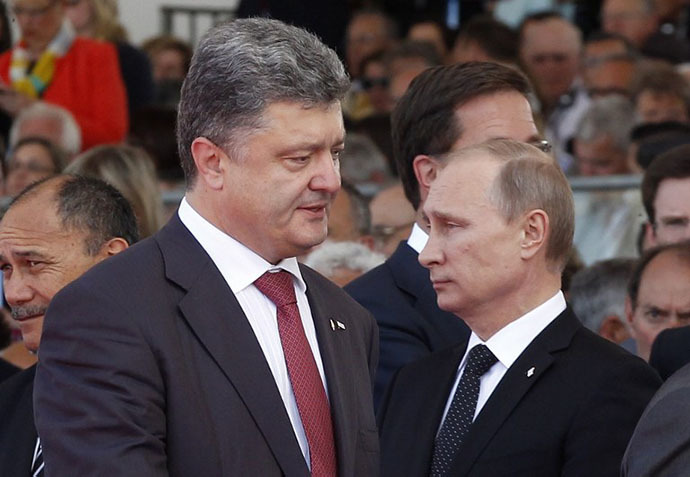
[52, 64]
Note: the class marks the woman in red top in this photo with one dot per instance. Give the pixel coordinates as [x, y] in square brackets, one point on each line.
[52, 64]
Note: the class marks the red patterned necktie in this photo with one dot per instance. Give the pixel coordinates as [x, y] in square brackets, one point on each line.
[306, 382]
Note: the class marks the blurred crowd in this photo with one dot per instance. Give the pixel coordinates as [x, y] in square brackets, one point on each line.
[610, 95]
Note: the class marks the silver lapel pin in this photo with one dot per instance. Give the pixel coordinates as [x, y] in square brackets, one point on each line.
[332, 324]
[341, 326]
[530, 372]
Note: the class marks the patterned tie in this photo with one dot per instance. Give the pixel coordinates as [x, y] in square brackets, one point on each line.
[307, 386]
[37, 460]
[461, 410]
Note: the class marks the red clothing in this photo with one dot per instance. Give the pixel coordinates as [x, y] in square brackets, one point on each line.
[87, 82]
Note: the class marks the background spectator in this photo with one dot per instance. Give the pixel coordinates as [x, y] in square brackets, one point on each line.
[32, 159]
[132, 173]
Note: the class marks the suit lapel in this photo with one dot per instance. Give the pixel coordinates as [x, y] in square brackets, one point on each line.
[525, 373]
[218, 322]
[334, 356]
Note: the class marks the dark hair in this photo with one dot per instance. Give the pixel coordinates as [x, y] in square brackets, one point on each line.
[157, 44]
[538, 17]
[90, 205]
[497, 39]
[661, 78]
[674, 164]
[58, 156]
[680, 249]
[424, 120]
[413, 49]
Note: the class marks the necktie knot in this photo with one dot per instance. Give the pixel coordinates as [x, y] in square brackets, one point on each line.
[479, 360]
[277, 286]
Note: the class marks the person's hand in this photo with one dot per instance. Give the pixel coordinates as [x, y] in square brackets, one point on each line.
[13, 102]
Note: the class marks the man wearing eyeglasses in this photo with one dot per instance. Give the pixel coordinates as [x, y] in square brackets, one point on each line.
[445, 108]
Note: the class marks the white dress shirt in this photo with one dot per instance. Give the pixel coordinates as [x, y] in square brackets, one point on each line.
[507, 344]
[418, 238]
[240, 267]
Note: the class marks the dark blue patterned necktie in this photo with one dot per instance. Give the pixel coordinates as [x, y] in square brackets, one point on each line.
[461, 410]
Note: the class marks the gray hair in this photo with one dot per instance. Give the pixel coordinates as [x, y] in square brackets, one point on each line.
[70, 134]
[89, 205]
[240, 68]
[612, 116]
[599, 291]
[351, 255]
[362, 160]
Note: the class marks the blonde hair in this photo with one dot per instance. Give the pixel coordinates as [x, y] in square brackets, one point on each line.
[131, 171]
[106, 25]
[531, 179]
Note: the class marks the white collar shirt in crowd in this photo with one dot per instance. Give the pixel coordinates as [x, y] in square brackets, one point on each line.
[507, 345]
[240, 267]
[418, 238]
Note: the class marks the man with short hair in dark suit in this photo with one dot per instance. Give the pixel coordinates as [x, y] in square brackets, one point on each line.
[531, 392]
[208, 350]
[444, 109]
[53, 232]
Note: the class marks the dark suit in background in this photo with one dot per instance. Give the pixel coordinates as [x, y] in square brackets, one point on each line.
[660, 445]
[546, 424]
[670, 351]
[17, 433]
[182, 386]
[411, 325]
[7, 370]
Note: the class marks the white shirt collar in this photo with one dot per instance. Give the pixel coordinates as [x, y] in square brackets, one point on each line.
[511, 340]
[239, 265]
[418, 238]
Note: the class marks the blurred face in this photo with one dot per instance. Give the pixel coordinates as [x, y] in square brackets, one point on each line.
[609, 77]
[39, 21]
[366, 34]
[429, 32]
[473, 254]
[375, 82]
[392, 217]
[672, 211]
[38, 258]
[652, 107]
[80, 14]
[168, 65]
[341, 220]
[276, 197]
[628, 18]
[600, 157]
[28, 164]
[550, 51]
[663, 300]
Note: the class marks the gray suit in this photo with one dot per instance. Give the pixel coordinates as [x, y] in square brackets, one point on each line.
[660, 445]
[149, 367]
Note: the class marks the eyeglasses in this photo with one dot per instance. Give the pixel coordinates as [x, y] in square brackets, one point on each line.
[368, 83]
[543, 145]
[33, 12]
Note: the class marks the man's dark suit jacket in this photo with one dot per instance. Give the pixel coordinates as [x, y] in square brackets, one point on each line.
[7, 370]
[567, 406]
[17, 430]
[149, 367]
[660, 445]
[411, 325]
[670, 351]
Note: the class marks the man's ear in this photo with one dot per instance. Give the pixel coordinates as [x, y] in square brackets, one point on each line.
[208, 160]
[425, 169]
[112, 247]
[613, 329]
[535, 227]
